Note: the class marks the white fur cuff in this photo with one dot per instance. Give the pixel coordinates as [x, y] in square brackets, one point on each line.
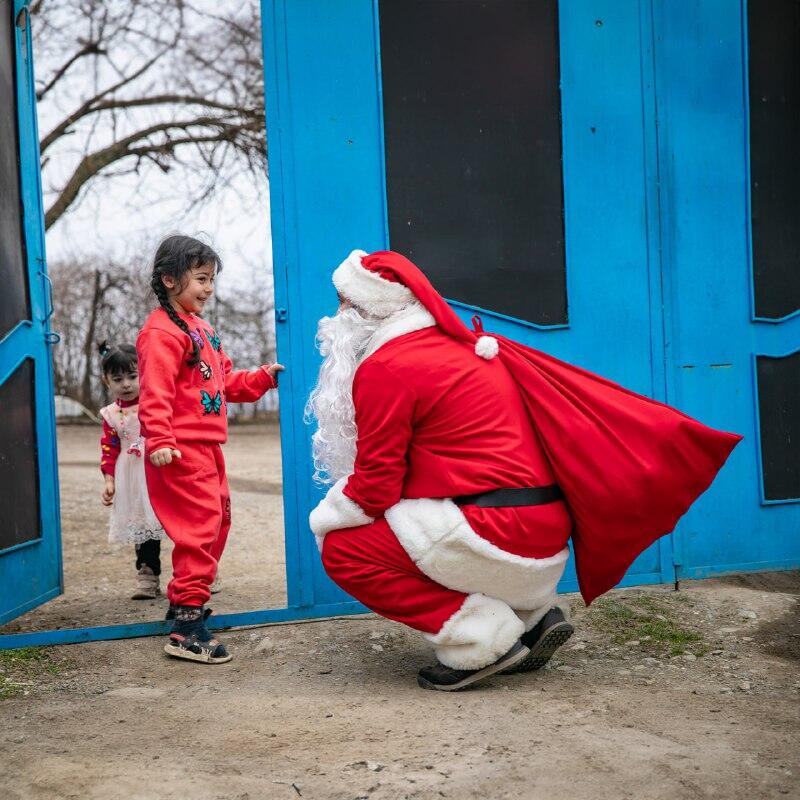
[477, 634]
[336, 511]
[367, 290]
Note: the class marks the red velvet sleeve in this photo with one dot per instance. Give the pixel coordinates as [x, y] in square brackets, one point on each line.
[109, 450]
[160, 358]
[245, 386]
[384, 419]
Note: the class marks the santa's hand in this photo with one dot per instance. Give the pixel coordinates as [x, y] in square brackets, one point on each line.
[164, 455]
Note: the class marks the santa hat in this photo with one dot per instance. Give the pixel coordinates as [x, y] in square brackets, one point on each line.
[385, 282]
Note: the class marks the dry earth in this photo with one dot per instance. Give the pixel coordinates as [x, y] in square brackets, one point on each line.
[694, 694]
[99, 577]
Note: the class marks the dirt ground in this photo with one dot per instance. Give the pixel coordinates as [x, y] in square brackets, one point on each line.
[660, 694]
[99, 577]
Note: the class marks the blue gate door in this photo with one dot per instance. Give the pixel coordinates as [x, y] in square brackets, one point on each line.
[519, 153]
[729, 123]
[30, 545]
[440, 129]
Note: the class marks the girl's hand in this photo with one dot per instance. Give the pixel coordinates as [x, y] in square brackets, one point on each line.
[164, 455]
[273, 370]
[107, 496]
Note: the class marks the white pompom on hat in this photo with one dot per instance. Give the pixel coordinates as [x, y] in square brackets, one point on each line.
[384, 282]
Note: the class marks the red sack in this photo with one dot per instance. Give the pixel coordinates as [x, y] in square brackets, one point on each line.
[630, 467]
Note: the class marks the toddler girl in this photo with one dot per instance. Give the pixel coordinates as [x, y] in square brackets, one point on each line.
[187, 380]
[122, 464]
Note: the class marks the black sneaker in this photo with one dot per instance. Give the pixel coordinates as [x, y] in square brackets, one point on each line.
[542, 640]
[191, 640]
[445, 679]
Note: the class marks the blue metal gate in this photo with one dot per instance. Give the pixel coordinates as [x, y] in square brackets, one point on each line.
[30, 543]
[646, 183]
[732, 352]
[654, 136]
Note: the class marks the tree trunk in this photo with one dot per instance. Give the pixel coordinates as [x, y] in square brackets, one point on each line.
[88, 345]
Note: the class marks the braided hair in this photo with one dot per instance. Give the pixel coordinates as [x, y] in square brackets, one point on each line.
[117, 359]
[175, 256]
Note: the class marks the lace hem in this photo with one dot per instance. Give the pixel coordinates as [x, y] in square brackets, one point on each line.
[135, 533]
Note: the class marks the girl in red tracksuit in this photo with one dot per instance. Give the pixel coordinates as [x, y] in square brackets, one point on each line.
[186, 381]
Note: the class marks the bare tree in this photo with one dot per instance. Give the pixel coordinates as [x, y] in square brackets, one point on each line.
[151, 84]
[98, 300]
[107, 300]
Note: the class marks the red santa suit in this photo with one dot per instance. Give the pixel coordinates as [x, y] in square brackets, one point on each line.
[439, 417]
[183, 407]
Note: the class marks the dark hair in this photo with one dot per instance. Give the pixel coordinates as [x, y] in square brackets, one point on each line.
[116, 359]
[174, 257]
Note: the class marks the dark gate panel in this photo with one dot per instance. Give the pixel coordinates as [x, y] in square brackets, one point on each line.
[19, 478]
[472, 125]
[774, 47]
[779, 420]
[14, 300]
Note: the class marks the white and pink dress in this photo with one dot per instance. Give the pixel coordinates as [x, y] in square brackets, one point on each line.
[133, 520]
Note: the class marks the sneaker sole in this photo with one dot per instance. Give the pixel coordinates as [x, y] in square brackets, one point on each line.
[492, 669]
[145, 595]
[543, 650]
[188, 655]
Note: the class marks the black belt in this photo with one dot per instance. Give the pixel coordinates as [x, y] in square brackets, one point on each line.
[502, 498]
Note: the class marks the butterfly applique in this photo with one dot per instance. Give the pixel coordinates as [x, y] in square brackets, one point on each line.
[211, 405]
[213, 340]
[197, 339]
[205, 370]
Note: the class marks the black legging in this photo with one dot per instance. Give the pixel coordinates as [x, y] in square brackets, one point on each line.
[148, 554]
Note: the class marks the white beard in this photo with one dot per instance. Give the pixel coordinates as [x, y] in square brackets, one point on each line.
[342, 341]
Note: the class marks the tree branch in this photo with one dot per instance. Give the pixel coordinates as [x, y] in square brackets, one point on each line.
[112, 105]
[90, 48]
[94, 163]
[177, 99]
[85, 107]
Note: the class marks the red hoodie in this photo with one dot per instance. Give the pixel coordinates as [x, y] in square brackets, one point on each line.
[178, 402]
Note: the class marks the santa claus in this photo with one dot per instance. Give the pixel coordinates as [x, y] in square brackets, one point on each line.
[462, 463]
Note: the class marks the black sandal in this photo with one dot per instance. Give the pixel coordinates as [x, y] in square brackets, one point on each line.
[191, 640]
[192, 648]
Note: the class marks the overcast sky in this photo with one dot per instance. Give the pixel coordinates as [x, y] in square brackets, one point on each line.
[123, 218]
[117, 221]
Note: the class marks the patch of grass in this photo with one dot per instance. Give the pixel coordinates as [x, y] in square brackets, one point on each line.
[648, 619]
[20, 669]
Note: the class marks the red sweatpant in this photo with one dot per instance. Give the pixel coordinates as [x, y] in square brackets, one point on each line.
[192, 501]
[370, 564]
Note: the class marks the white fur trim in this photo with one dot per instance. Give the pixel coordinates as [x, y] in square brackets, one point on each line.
[336, 510]
[487, 347]
[367, 290]
[477, 634]
[438, 538]
[412, 318]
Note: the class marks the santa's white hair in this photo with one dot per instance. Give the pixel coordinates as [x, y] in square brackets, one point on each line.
[342, 341]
